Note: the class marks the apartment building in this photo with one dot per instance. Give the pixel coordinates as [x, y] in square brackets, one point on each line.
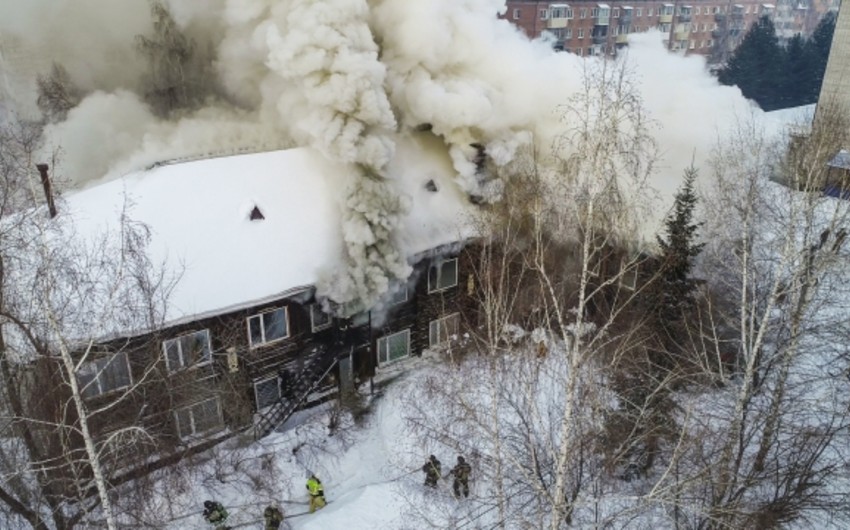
[706, 27]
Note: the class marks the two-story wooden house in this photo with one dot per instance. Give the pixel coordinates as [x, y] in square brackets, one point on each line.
[246, 341]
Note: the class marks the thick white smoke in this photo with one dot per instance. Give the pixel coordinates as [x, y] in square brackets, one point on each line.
[346, 77]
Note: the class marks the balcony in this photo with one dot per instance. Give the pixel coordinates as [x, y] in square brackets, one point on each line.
[681, 35]
[557, 23]
[683, 17]
[599, 39]
[664, 18]
[717, 33]
[720, 18]
[622, 38]
[625, 19]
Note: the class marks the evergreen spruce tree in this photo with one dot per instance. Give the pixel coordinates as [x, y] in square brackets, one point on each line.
[756, 65]
[819, 45]
[800, 84]
[678, 249]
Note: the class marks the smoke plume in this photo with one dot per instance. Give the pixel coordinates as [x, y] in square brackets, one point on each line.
[346, 77]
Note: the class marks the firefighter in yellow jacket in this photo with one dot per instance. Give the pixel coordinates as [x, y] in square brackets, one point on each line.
[317, 493]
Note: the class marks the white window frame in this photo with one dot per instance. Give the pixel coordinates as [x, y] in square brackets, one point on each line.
[649, 12]
[313, 326]
[257, 396]
[517, 13]
[544, 14]
[616, 13]
[195, 433]
[267, 342]
[568, 33]
[439, 322]
[628, 275]
[582, 13]
[638, 11]
[386, 339]
[184, 364]
[441, 264]
[581, 33]
[96, 382]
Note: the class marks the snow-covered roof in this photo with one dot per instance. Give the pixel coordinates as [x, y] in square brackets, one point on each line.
[841, 160]
[603, 6]
[198, 214]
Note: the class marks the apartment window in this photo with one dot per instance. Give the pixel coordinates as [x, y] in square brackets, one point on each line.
[581, 33]
[747, 10]
[649, 12]
[696, 10]
[399, 296]
[544, 14]
[517, 14]
[269, 326]
[710, 43]
[442, 330]
[104, 375]
[616, 30]
[594, 13]
[616, 12]
[580, 51]
[199, 418]
[442, 275]
[568, 33]
[582, 13]
[187, 350]
[638, 11]
[568, 12]
[267, 392]
[319, 320]
[394, 347]
[693, 44]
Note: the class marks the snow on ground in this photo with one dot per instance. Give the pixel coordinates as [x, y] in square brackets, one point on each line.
[369, 472]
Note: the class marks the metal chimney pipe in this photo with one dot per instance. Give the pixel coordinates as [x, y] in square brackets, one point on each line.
[48, 191]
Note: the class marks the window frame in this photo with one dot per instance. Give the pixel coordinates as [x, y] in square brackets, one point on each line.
[441, 264]
[580, 33]
[313, 327]
[257, 396]
[582, 13]
[544, 14]
[439, 323]
[259, 315]
[628, 269]
[394, 301]
[517, 13]
[180, 345]
[387, 338]
[85, 388]
[195, 434]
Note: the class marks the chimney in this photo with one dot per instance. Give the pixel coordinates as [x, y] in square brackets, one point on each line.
[48, 191]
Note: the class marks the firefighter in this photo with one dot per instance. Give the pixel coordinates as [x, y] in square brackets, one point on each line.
[461, 477]
[215, 514]
[273, 517]
[317, 493]
[432, 471]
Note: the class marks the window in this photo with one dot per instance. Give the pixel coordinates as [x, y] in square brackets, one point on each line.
[616, 12]
[442, 330]
[199, 418]
[319, 320]
[187, 350]
[442, 275]
[581, 33]
[517, 14]
[400, 295]
[568, 33]
[594, 13]
[394, 347]
[104, 375]
[747, 10]
[267, 392]
[544, 14]
[268, 327]
[638, 11]
[693, 45]
[649, 12]
[616, 30]
[582, 13]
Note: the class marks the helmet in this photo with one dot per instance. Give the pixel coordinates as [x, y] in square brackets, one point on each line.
[209, 504]
[432, 457]
[460, 460]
